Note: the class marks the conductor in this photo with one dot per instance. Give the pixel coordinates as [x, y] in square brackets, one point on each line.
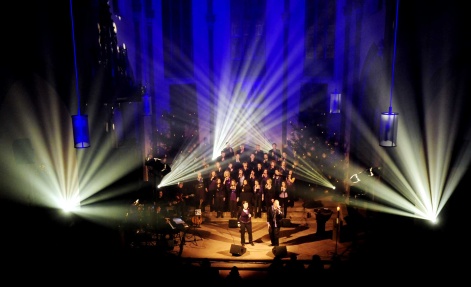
[157, 168]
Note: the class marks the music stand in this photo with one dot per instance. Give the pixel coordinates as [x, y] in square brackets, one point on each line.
[196, 221]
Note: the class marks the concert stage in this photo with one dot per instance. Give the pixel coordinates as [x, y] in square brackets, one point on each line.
[369, 245]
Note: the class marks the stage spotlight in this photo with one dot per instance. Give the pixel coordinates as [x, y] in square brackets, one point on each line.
[70, 205]
[335, 102]
[80, 128]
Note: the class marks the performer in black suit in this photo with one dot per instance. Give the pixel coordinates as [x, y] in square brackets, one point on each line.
[274, 216]
[157, 168]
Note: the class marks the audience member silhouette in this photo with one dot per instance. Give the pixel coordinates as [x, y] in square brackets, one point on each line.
[275, 271]
[315, 269]
[233, 278]
[209, 274]
[294, 268]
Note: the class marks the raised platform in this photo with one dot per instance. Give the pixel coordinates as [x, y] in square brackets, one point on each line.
[302, 213]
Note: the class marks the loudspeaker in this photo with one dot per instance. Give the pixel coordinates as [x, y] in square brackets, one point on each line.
[285, 222]
[237, 250]
[280, 251]
[233, 223]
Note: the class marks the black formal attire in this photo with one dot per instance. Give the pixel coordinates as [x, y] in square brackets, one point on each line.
[245, 221]
[263, 179]
[246, 171]
[212, 184]
[284, 198]
[274, 154]
[257, 200]
[277, 179]
[188, 196]
[224, 161]
[283, 172]
[240, 181]
[274, 223]
[252, 164]
[153, 171]
[219, 199]
[258, 172]
[220, 172]
[247, 195]
[236, 165]
[157, 169]
[258, 155]
[266, 163]
[271, 171]
[232, 198]
[227, 187]
[269, 196]
[200, 194]
[179, 204]
[291, 188]
[234, 172]
[251, 180]
[229, 152]
[244, 154]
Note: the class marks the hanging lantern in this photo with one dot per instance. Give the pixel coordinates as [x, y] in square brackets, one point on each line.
[79, 122]
[80, 126]
[335, 102]
[389, 120]
[388, 129]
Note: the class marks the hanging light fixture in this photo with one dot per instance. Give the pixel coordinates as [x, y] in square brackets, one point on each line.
[389, 120]
[79, 121]
[335, 102]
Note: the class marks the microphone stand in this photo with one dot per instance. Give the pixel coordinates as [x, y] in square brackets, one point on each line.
[337, 227]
